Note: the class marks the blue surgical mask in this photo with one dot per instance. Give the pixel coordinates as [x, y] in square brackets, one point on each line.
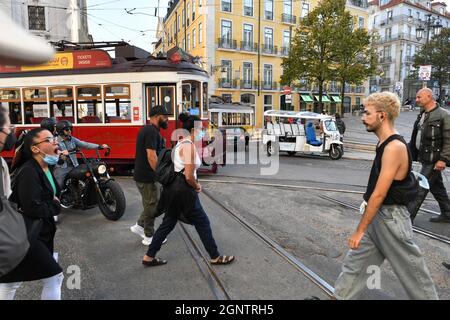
[200, 136]
[51, 160]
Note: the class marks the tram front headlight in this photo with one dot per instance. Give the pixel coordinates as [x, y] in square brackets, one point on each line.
[101, 169]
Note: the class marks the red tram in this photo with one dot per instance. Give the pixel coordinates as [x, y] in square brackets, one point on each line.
[107, 100]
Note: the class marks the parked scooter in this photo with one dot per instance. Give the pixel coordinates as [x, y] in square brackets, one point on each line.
[89, 185]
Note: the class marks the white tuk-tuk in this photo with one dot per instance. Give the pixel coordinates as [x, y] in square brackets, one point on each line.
[294, 132]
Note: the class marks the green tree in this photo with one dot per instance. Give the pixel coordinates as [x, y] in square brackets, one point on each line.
[355, 57]
[437, 54]
[312, 52]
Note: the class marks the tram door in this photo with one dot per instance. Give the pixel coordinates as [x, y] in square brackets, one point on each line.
[161, 95]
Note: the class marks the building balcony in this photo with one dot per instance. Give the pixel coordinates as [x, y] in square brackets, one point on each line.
[409, 59]
[226, 43]
[359, 3]
[249, 46]
[385, 60]
[269, 49]
[265, 85]
[288, 18]
[385, 81]
[284, 51]
[227, 83]
[249, 84]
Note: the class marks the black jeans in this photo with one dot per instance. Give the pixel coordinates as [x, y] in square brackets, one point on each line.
[437, 188]
[201, 223]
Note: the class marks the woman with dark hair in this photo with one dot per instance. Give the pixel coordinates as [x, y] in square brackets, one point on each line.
[35, 192]
[181, 198]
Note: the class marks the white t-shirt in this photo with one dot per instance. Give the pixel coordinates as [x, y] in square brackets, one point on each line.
[178, 162]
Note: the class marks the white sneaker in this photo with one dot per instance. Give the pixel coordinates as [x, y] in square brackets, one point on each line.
[137, 229]
[55, 218]
[148, 240]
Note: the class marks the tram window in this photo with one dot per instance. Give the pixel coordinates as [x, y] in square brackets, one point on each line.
[35, 102]
[215, 118]
[168, 98]
[89, 105]
[224, 119]
[117, 104]
[61, 103]
[247, 119]
[10, 99]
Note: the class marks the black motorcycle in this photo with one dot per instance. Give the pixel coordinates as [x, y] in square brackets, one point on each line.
[89, 185]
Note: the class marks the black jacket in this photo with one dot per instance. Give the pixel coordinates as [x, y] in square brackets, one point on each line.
[33, 193]
[435, 137]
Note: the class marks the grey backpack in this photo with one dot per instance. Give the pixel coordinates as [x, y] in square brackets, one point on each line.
[14, 243]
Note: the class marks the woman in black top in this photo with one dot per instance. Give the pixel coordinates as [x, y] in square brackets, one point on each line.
[36, 194]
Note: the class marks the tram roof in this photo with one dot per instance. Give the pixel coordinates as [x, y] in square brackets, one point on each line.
[230, 107]
[295, 114]
[119, 65]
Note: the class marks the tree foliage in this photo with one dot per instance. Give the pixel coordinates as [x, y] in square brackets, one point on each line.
[437, 54]
[327, 47]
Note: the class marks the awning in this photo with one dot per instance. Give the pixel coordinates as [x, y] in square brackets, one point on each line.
[336, 99]
[324, 98]
[306, 98]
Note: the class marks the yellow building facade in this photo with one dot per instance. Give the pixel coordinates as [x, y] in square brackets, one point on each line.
[241, 43]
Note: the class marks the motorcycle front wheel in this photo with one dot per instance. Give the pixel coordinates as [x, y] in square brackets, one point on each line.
[114, 206]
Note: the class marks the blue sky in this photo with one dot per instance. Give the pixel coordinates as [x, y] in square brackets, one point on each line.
[109, 21]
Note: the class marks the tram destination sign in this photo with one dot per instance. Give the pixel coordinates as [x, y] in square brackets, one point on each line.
[92, 59]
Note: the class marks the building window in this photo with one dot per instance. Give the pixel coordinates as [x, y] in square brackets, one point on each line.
[305, 9]
[200, 33]
[408, 50]
[188, 13]
[248, 35]
[267, 100]
[387, 52]
[418, 15]
[226, 97]
[248, 75]
[269, 10]
[188, 42]
[287, 7]
[409, 31]
[36, 18]
[248, 8]
[184, 17]
[226, 33]
[226, 65]
[193, 11]
[250, 99]
[179, 20]
[268, 37]
[361, 22]
[226, 5]
[389, 14]
[286, 42]
[409, 13]
[268, 76]
[388, 34]
[194, 38]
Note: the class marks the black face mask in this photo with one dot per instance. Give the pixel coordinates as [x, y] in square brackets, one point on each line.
[164, 124]
[10, 142]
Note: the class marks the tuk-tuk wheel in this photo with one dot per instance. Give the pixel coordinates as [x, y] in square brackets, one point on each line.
[336, 152]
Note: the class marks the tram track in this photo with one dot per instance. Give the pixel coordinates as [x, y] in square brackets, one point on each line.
[301, 187]
[215, 283]
[418, 230]
[279, 250]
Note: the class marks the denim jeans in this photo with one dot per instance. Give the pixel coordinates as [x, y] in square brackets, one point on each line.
[201, 223]
[389, 236]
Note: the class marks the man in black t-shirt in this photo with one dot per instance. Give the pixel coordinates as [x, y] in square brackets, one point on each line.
[148, 145]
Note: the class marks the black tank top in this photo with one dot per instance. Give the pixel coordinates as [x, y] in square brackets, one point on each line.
[398, 188]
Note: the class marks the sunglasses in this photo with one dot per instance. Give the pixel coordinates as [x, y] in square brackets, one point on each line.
[49, 140]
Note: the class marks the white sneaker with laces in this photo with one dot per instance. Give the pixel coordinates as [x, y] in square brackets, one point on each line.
[148, 240]
[137, 229]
